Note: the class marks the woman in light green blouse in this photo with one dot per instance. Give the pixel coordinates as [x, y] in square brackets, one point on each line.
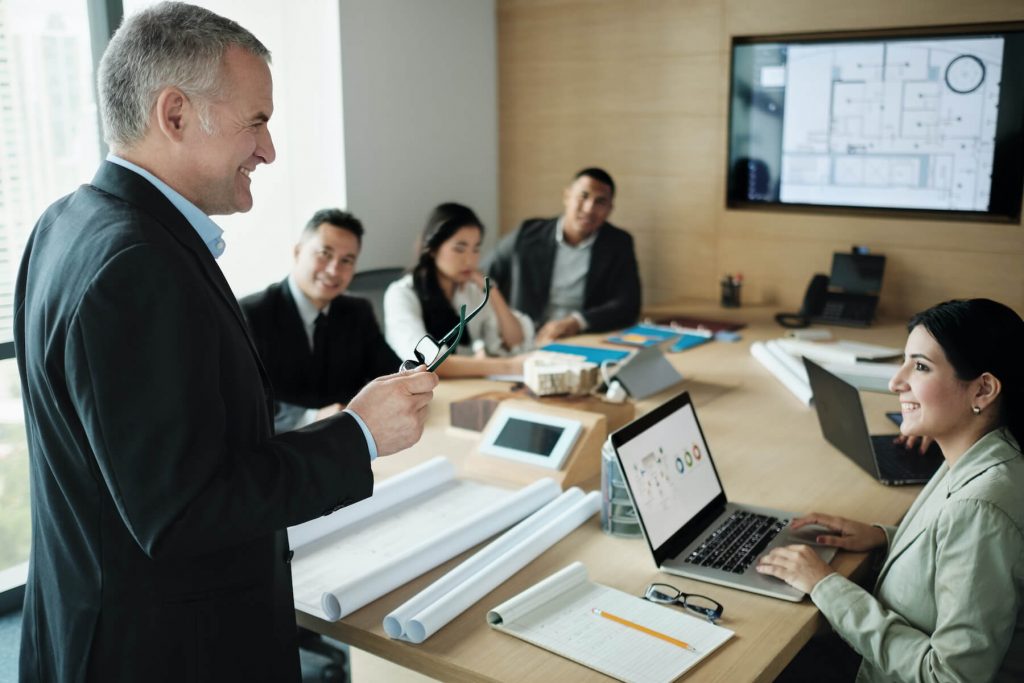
[947, 604]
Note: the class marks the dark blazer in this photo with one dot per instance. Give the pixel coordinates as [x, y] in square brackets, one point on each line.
[523, 263]
[159, 497]
[357, 353]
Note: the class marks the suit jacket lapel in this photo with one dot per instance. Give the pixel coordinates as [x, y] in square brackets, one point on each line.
[543, 267]
[294, 332]
[136, 190]
[979, 458]
[598, 259]
[905, 535]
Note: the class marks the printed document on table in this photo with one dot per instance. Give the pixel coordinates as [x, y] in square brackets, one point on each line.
[559, 614]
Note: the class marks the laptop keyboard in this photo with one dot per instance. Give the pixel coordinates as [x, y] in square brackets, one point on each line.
[737, 542]
[899, 464]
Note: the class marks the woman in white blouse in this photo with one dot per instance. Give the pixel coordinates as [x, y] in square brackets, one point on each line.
[446, 276]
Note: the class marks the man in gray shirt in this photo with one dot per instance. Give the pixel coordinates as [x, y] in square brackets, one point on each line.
[573, 273]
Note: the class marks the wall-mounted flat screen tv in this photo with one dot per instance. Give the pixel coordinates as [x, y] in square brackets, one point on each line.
[902, 121]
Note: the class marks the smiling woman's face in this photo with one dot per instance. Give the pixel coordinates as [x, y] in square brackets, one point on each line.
[933, 400]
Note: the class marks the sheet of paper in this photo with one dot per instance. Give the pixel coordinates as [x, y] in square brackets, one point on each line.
[837, 351]
[865, 376]
[563, 620]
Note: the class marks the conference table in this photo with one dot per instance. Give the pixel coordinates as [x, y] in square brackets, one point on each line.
[768, 450]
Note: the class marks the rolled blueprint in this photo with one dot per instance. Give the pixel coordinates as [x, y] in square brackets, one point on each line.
[435, 616]
[395, 623]
[401, 487]
[781, 370]
[353, 594]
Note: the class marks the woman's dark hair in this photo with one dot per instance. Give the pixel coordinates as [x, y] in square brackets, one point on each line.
[981, 335]
[444, 221]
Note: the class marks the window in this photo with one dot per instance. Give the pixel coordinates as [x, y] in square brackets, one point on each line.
[309, 173]
[49, 143]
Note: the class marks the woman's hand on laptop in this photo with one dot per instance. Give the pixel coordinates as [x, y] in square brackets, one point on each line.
[923, 443]
[797, 565]
[801, 567]
[842, 533]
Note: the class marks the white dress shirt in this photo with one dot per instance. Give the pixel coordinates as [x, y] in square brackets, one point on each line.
[404, 327]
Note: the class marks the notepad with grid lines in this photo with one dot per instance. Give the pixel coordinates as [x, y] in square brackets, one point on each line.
[558, 614]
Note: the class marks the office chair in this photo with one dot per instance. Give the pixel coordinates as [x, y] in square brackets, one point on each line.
[327, 662]
[370, 285]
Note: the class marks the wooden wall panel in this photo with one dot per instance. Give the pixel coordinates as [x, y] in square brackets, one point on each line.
[641, 88]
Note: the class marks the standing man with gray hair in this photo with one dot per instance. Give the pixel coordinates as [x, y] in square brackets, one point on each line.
[159, 495]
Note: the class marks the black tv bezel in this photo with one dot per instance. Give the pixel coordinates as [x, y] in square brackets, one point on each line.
[1007, 192]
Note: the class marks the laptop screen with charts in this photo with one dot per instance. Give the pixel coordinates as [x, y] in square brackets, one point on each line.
[680, 502]
[841, 416]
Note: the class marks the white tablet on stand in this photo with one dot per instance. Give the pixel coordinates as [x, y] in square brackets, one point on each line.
[534, 438]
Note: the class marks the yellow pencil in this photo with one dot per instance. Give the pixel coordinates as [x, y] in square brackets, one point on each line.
[643, 629]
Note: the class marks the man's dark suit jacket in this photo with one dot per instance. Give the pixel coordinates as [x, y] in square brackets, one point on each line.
[523, 263]
[159, 497]
[357, 351]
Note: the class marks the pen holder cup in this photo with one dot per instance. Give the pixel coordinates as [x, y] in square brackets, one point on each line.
[618, 517]
[731, 294]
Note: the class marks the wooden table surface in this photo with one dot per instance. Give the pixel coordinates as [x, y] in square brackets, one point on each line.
[769, 451]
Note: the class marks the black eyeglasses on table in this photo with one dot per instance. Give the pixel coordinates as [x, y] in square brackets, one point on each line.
[431, 352]
[670, 595]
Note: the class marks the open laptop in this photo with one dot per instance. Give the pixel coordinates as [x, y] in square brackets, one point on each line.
[690, 526]
[841, 416]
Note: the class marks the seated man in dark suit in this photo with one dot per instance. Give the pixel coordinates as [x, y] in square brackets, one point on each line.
[319, 345]
[573, 273]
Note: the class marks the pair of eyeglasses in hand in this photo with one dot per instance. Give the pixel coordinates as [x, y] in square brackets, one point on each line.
[670, 595]
[431, 352]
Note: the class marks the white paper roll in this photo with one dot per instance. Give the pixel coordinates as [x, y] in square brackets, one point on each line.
[799, 388]
[427, 622]
[348, 597]
[396, 622]
[419, 479]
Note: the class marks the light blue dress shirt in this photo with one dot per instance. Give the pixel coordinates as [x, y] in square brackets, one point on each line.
[208, 231]
[212, 236]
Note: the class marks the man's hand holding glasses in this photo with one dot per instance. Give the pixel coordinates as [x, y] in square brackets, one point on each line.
[431, 352]
[394, 409]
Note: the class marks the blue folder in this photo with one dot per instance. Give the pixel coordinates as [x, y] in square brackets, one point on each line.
[688, 341]
[649, 335]
[591, 353]
[642, 336]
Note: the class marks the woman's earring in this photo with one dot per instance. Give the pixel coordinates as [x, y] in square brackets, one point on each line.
[976, 410]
